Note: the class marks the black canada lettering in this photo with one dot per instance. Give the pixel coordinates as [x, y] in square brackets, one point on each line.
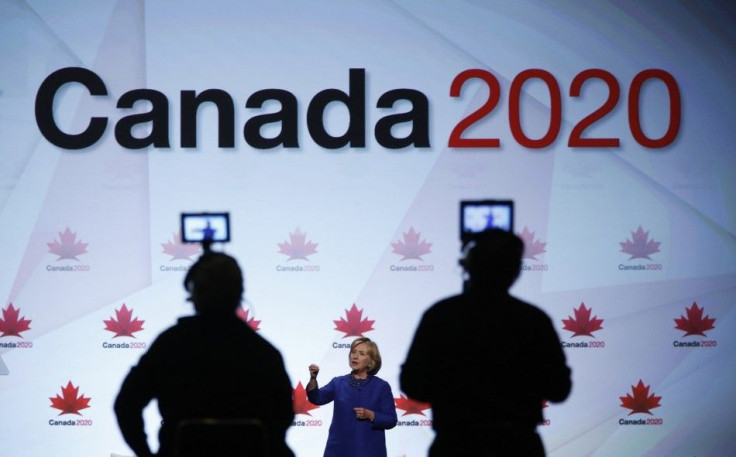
[45, 108]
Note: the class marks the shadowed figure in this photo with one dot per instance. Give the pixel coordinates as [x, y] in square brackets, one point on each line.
[485, 360]
[208, 366]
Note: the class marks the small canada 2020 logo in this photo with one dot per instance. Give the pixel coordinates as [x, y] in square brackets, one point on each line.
[353, 324]
[70, 402]
[412, 247]
[640, 246]
[640, 401]
[67, 247]
[124, 324]
[582, 325]
[298, 248]
[694, 324]
[179, 252]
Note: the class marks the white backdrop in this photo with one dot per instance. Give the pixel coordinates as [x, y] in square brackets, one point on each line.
[641, 237]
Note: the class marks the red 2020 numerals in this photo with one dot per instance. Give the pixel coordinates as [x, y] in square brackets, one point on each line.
[576, 139]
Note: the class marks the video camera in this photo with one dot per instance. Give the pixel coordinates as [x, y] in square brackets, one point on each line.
[477, 216]
[205, 228]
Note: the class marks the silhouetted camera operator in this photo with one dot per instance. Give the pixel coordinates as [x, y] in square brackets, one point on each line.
[210, 365]
[485, 360]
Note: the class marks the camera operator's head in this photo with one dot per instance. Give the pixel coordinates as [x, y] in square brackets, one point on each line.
[493, 259]
[215, 284]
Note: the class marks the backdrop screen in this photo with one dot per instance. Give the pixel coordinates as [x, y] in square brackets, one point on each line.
[341, 138]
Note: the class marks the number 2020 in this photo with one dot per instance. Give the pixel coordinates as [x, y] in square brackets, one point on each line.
[576, 139]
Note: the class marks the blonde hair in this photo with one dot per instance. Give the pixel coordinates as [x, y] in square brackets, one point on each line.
[371, 351]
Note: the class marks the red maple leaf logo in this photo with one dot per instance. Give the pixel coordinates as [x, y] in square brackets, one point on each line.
[355, 325]
[123, 324]
[694, 323]
[641, 401]
[180, 250]
[411, 406]
[70, 402]
[297, 247]
[640, 246]
[252, 322]
[67, 247]
[10, 324]
[582, 324]
[412, 247]
[302, 405]
[532, 247]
